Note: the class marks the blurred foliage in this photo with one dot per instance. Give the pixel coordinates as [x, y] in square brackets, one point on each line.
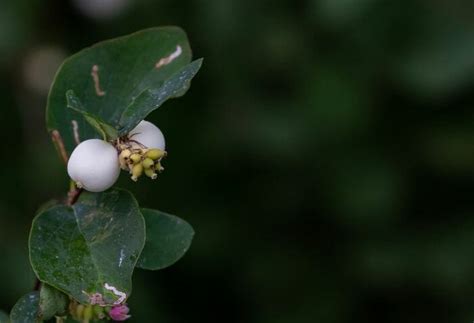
[323, 156]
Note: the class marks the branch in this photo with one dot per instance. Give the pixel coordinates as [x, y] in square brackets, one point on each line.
[59, 143]
[73, 195]
[37, 285]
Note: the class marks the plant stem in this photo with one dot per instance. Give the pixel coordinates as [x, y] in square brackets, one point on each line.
[73, 195]
[37, 285]
[59, 143]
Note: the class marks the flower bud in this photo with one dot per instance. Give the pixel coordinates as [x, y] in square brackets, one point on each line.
[155, 154]
[148, 163]
[119, 313]
[88, 313]
[159, 168]
[137, 171]
[124, 157]
[150, 173]
[99, 312]
[135, 158]
[80, 310]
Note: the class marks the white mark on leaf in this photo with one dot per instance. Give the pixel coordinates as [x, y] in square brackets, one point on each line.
[122, 296]
[122, 256]
[95, 78]
[75, 130]
[168, 59]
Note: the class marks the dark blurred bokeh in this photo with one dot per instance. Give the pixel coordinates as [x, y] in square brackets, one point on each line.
[324, 156]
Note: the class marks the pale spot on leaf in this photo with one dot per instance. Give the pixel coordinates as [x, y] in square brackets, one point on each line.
[95, 78]
[168, 59]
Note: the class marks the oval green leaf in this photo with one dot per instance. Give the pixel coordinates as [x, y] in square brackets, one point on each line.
[26, 310]
[89, 250]
[167, 240]
[119, 82]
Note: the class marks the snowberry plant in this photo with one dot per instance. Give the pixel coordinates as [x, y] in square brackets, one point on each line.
[84, 249]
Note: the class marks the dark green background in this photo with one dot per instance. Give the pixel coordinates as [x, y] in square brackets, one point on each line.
[324, 155]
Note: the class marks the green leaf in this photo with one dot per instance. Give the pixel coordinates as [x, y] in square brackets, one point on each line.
[26, 310]
[116, 77]
[4, 317]
[151, 99]
[91, 247]
[167, 240]
[105, 130]
[52, 302]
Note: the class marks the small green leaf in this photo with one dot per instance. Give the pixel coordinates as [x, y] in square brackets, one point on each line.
[119, 75]
[26, 310]
[152, 98]
[105, 130]
[167, 240]
[52, 302]
[91, 247]
[4, 317]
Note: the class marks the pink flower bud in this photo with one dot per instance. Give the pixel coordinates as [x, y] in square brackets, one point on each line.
[119, 313]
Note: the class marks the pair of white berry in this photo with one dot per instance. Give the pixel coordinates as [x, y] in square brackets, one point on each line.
[94, 163]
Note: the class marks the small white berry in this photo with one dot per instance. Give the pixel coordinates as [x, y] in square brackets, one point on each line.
[94, 165]
[148, 135]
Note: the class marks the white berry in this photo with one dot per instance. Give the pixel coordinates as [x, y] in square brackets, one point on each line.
[149, 135]
[94, 165]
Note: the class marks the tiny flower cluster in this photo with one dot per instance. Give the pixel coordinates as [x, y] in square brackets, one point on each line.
[139, 161]
[87, 313]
